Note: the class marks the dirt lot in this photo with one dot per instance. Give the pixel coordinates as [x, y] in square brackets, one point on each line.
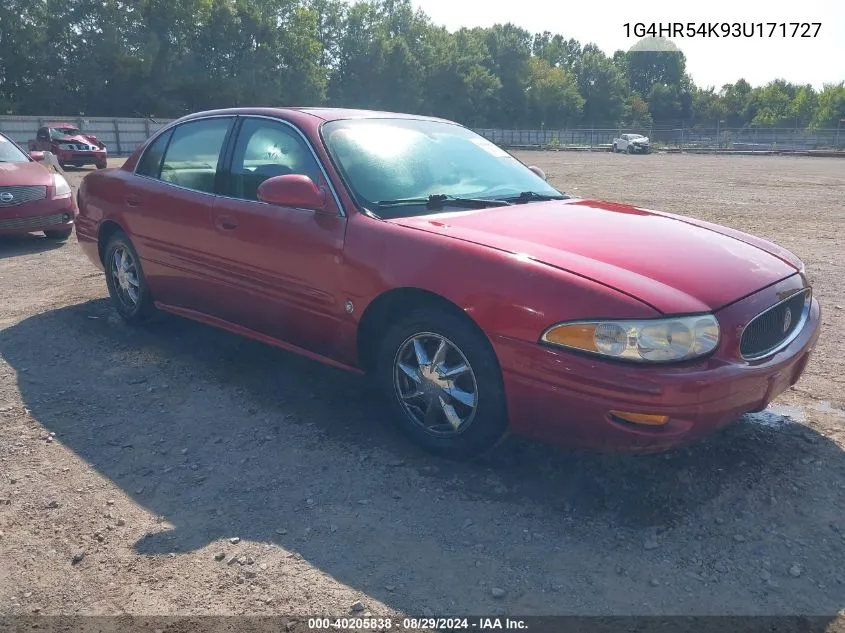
[139, 454]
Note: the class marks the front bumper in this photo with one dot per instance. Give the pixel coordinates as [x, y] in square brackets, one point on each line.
[42, 215]
[80, 158]
[563, 397]
[640, 149]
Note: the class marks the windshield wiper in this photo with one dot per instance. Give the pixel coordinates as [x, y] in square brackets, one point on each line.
[439, 200]
[533, 196]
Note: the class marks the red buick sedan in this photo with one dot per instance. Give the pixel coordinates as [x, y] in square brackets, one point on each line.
[32, 198]
[479, 298]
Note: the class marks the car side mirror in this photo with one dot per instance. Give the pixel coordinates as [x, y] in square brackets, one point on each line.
[538, 171]
[293, 190]
[39, 156]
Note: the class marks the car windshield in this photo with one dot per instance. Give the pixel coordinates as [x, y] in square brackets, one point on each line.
[9, 152]
[405, 163]
[66, 131]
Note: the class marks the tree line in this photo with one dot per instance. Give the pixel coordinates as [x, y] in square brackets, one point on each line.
[165, 58]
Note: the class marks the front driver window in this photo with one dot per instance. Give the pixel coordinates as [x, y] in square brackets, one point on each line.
[192, 156]
[265, 149]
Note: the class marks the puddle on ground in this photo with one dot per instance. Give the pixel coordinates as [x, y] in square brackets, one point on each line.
[776, 415]
[823, 406]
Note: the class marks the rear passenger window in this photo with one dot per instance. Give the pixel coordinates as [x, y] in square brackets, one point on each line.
[150, 163]
[191, 158]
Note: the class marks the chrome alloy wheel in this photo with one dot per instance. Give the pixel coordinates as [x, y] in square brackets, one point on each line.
[124, 270]
[435, 384]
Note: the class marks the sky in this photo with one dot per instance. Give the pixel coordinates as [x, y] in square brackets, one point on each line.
[710, 61]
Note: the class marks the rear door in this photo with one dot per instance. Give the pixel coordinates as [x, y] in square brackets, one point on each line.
[282, 264]
[168, 211]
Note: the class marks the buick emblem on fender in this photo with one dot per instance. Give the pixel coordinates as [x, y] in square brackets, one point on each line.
[6, 197]
[787, 320]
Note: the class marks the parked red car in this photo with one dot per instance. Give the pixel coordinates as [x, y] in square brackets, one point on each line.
[479, 297]
[32, 198]
[72, 146]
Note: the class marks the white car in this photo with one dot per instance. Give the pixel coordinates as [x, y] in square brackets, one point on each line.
[631, 143]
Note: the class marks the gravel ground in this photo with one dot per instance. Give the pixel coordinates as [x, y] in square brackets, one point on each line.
[177, 469]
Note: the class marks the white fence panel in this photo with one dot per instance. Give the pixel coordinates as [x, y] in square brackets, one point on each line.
[123, 135]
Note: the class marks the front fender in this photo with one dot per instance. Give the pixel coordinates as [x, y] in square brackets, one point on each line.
[505, 294]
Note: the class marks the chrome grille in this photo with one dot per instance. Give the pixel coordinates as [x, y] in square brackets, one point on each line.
[35, 222]
[776, 327]
[20, 194]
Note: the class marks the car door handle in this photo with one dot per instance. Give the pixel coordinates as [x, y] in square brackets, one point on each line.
[226, 223]
[133, 201]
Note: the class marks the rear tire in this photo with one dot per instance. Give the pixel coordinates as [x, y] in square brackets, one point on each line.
[126, 282]
[59, 235]
[454, 404]
[615, 148]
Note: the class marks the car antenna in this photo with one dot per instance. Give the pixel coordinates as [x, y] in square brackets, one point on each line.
[148, 117]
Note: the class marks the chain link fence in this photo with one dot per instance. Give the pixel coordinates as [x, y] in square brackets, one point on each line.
[123, 135]
[751, 139]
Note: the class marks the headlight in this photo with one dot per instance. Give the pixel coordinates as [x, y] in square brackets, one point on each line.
[61, 185]
[653, 340]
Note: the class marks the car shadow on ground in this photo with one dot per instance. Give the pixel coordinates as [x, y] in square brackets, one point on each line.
[75, 168]
[27, 244]
[225, 437]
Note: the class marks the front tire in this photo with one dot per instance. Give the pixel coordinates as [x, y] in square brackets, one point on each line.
[629, 150]
[615, 149]
[443, 383]
[59, 235]
[126, 281]
[102, 165]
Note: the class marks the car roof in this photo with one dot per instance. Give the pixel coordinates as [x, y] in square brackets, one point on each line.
[325, 114]
[60, 125]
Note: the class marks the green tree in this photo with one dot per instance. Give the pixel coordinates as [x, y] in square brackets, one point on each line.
[553, 98]
[636, 113]
[556, 50]
[736, 100]
[461, 85]
[603, 88]
[831, 106]
[653, 61]
[804, 105]
[169, 57]
[771, 104]
[708, 107]
[510, 52]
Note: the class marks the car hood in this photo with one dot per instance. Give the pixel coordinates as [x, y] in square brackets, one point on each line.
[78, 138]
[30, 173]
[673, 263]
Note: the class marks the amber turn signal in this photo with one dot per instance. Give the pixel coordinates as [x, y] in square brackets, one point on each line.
[640, 418]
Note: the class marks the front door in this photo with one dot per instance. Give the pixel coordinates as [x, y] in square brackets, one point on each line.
[283, 265]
